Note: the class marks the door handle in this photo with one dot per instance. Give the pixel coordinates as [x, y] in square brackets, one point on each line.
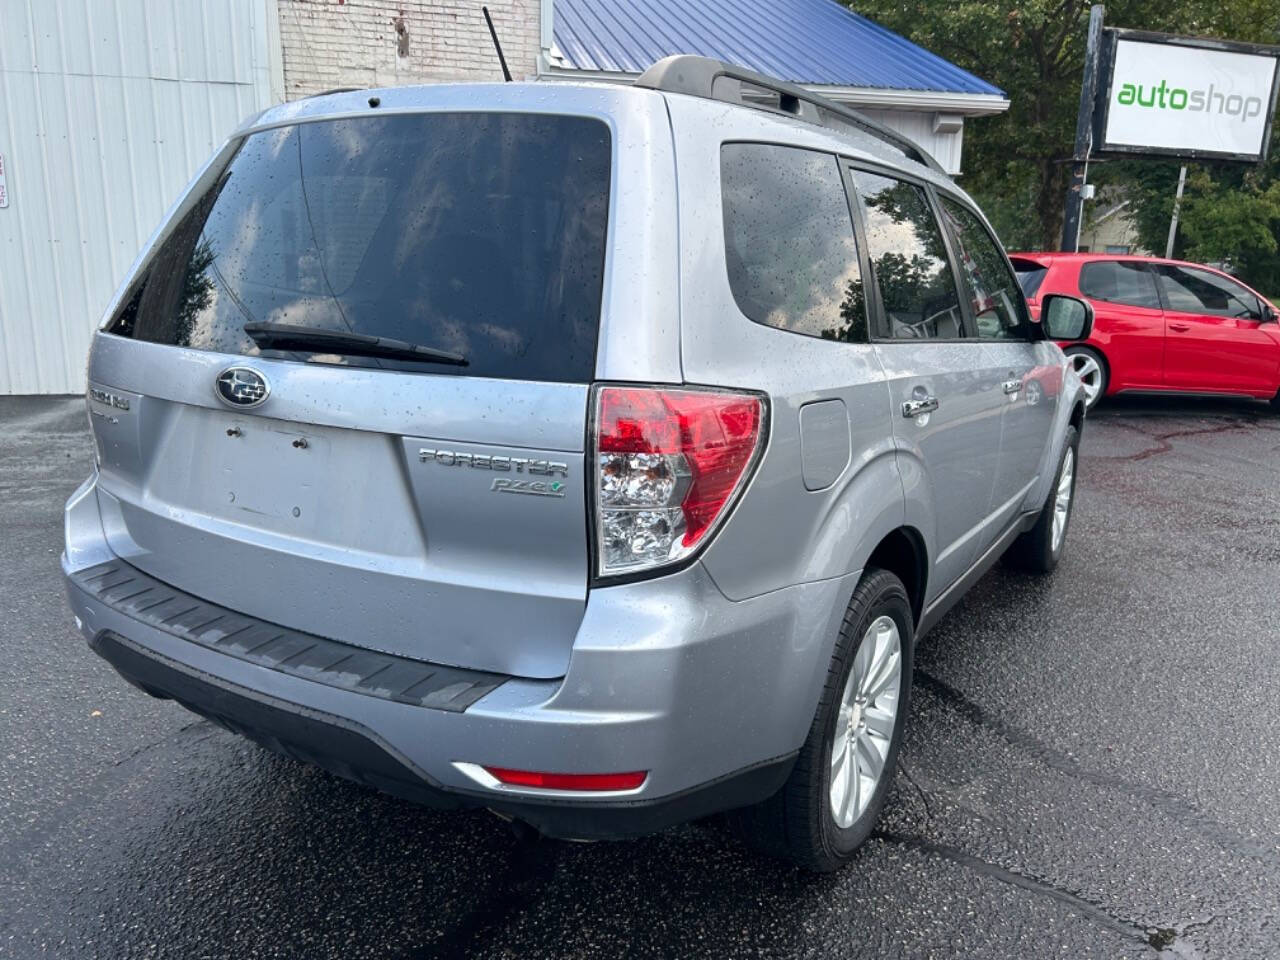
[1179, 327]
[914, 408]
[1011, 386]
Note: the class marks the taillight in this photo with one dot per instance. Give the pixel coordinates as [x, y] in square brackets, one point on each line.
[669, 463]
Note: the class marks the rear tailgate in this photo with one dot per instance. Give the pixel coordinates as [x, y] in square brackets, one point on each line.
[426, 510]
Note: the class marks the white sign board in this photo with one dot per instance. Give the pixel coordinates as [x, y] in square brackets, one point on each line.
[1167, 96]
[4, 189]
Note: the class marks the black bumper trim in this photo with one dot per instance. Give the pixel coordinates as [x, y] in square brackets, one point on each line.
[127, 590]
[352, 751]
[326, 740]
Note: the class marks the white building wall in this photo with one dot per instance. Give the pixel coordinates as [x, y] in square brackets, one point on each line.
[1109, 229]
[107, 108]
[356, 43]
[922, 126]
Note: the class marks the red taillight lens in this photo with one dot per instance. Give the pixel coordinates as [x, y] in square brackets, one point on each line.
[568, 781]
[669, 462]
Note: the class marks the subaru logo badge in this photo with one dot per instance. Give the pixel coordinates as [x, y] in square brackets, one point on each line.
[242, 387]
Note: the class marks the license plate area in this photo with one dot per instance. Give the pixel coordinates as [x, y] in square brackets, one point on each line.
[269, 470]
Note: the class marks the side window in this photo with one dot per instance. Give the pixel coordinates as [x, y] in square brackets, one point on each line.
[909, 258]
[1198, 291]
[789, 244]
[1119, 281]
[998, 304]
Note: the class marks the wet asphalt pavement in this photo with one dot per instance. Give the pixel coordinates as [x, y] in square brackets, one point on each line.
[1092, 768]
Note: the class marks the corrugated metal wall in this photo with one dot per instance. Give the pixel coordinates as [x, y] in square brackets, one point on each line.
[107, 108]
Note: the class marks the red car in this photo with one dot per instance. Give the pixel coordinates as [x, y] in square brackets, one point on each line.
[1162, 325]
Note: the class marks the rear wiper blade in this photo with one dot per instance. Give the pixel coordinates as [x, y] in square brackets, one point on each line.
[288, 336]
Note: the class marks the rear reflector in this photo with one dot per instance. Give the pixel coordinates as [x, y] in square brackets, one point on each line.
[568, 781]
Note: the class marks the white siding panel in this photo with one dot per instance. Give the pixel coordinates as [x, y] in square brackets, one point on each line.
[107, 108]
[918, 125]
[164, 38]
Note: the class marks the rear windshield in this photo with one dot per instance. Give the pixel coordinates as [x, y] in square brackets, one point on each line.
[482, 234]
[1030, 275]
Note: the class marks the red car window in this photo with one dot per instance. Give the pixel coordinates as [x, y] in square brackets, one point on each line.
[1119, 281]
[1188, 290]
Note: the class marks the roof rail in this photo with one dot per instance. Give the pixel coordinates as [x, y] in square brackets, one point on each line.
[717, 80]
[325, 93]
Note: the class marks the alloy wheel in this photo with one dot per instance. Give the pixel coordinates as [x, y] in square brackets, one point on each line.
[865, 721]
[1090, 373]
[1062, 498]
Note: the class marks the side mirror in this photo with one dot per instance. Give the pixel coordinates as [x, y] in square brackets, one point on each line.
[1066, 318]
[1269, 315]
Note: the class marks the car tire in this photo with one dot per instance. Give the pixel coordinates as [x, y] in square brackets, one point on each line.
[1275, 402]
[1091, 367]
[816, 820]
[1040, 548]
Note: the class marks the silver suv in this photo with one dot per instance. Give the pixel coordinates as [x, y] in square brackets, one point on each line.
[592, 454]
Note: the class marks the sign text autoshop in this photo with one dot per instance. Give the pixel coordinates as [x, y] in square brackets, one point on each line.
[1186, 96]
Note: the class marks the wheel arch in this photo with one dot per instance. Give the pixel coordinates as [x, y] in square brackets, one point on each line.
[903, 553]
[1077, 417]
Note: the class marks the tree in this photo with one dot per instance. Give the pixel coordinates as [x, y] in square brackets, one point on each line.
[1230, 212]
[1013, 163]
[1236, 224]
[1016, 164]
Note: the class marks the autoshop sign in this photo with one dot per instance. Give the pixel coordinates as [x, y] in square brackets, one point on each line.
[1185, 96]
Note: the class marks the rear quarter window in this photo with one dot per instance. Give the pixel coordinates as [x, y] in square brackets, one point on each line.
[477, 233]
[789, 243]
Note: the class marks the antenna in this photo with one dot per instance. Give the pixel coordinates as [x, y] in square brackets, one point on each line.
[496, 45]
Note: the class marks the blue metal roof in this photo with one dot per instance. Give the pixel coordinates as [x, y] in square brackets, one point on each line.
[802, 41]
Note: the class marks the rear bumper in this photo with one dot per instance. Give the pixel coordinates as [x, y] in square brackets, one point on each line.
[343, 747]
[713, 698]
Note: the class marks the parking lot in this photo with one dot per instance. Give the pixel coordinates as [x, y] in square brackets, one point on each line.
[1091, 769]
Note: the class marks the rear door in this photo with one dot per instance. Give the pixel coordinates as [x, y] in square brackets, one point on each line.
[425, 509]
[1030, 376]
[946, 407]
[1216, 338]
[1129, 321]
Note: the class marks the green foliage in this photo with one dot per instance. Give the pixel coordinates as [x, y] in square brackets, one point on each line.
[1035, 52]
[1237, 224]
[1016, 164]
[1230, 212]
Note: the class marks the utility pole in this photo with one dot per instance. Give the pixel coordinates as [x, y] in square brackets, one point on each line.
[1084, 132]
[1173, 221]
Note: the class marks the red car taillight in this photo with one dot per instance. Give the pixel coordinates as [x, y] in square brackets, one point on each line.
[669, 462]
